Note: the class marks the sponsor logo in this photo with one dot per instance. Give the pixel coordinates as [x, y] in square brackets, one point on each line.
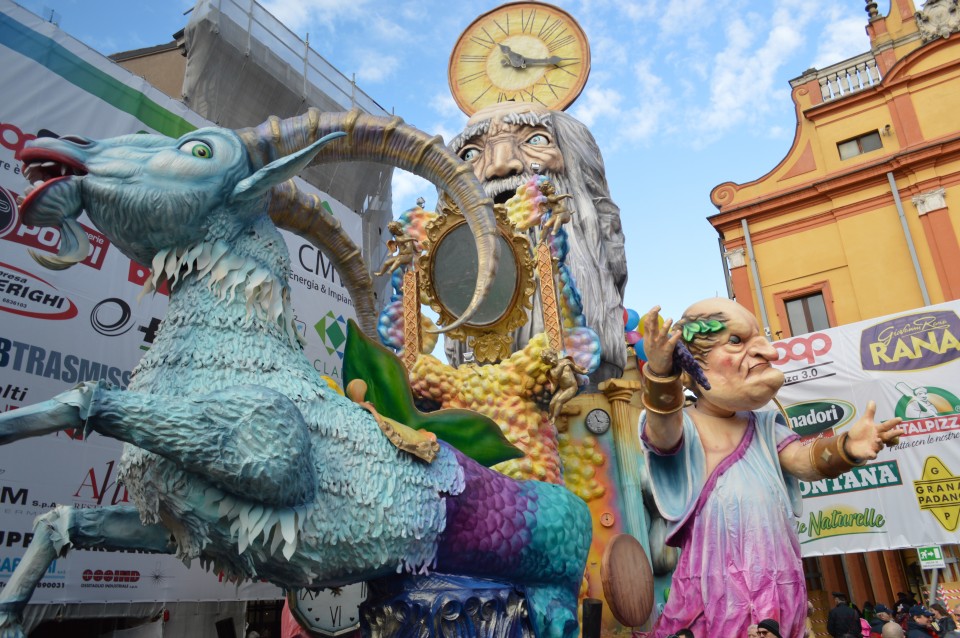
[924, 401]
[52, 364]
[48, 240]
[813, 417]
[23, 293]
[911, 342]
[867, 477]
[9, 563]
[117, 576]
[841, 520]
[138, 274]
[9, 495]
[99, 487]
[333, 332]
[12, 138]
[15, 539]
[9, 213]
[933, 425]
[111, 317]
[804, 348]
[938, 492]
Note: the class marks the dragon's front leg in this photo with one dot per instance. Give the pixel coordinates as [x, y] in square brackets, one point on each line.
[248, 440]
[59, 413]
[112, 528]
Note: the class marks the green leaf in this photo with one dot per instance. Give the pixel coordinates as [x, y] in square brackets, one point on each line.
[388, 389]
[714, 325]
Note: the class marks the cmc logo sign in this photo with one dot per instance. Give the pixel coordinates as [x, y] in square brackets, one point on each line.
[23, 293]
[813, 417]
[911, 342]
[111, 576]
[803, 348]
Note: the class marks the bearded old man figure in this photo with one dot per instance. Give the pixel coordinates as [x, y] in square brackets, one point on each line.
[506, 144]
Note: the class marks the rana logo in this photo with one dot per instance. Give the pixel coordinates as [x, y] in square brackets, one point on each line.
[911, 342]
[813, 417]
[333, 331]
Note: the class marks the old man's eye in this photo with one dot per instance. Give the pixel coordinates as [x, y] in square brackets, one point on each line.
[197, 149]
[470, 154]
[734, 339]
[538, 140]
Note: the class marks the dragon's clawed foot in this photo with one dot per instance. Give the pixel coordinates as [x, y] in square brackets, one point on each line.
[10, 626]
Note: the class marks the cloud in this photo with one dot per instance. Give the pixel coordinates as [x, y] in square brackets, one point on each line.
[597, 103]
[444, 105]
[407, 187]
[297, 15]
[375, 67]
[841, 39]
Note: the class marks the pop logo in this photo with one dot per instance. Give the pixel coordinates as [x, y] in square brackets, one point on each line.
[804, 348]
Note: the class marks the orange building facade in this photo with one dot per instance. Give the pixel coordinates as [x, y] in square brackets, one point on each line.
[861, 218]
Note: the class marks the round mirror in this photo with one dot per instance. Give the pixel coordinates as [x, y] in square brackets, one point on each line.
[455, 275]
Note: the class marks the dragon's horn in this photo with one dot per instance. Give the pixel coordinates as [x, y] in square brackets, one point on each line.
[385, 141]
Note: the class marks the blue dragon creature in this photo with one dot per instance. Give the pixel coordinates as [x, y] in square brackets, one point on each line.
[237, 453]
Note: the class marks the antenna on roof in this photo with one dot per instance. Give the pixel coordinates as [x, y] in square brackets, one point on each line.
[51, 16]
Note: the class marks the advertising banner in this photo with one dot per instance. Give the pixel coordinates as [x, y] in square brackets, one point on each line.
[58, 328]
[909, 364]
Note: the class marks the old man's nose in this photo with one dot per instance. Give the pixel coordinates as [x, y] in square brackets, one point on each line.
[761, 347]
[504, 161]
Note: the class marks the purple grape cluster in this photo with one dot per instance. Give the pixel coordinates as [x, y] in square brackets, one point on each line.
[683, 360]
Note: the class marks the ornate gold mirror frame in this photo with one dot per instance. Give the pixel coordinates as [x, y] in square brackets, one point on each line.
[447, 274]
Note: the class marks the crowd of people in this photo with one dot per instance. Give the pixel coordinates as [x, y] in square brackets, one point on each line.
[906, 619]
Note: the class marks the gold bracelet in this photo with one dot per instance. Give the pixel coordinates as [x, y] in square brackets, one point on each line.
[828, 457]
[662, 395]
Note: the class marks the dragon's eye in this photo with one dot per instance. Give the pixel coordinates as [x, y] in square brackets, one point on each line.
[538, 140]
[197, 149]
[470, 154]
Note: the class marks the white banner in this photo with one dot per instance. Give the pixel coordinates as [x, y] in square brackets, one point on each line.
[910, 365]
[85, 323]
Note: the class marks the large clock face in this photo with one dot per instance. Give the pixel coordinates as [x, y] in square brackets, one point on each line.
[521, 52]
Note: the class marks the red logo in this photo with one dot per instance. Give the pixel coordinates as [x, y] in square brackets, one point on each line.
[12, 138]
[804, 348]
[138, 274]
[25, 294]
[111, 575]
[47, 239]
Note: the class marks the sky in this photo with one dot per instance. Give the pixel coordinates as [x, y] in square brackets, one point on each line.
[683, 95]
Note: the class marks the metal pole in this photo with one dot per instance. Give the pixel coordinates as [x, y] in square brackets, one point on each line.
[909, 238]
[932, 598]
[756, 279]
[726, 268]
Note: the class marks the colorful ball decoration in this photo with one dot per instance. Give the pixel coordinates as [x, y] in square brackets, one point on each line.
[633, 337]
[631, 319]
[640, 353]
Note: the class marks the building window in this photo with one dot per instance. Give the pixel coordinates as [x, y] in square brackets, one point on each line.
[860, 145]
[807, 314]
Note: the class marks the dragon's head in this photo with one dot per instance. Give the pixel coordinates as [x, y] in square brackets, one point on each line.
[151, 194]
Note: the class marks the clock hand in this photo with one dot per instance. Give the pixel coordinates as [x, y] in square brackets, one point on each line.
[512, 59]
[553, 59]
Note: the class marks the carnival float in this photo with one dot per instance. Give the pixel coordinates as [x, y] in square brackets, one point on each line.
[495, 494]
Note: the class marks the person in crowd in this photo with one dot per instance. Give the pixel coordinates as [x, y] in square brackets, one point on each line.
[883, 615]
[724, 472]
[768, 628]
[920, 623]
[892, 630]
[842, 619]
[752, 632]
[944, 623]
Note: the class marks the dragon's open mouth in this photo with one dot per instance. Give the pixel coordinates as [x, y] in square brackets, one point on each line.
[44, 167]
